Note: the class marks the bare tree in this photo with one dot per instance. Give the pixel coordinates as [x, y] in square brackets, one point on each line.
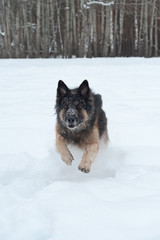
[153, 3]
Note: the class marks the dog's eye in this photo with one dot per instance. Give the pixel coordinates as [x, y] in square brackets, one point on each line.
[79, 106]
[65, 107]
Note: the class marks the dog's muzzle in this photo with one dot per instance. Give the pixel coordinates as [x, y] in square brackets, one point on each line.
[71, 118]
[71, 121]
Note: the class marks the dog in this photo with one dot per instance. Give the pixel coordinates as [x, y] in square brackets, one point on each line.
[81, 122]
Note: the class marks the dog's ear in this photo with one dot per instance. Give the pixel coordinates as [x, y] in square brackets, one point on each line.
[84, 89]
[62, 88]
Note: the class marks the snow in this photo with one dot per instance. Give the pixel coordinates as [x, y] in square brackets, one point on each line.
[43, 199]
[100, 3]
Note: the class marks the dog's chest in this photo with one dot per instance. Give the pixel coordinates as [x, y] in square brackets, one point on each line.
[76, 138]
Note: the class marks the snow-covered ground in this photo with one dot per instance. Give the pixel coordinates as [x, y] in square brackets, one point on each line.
[40, 197]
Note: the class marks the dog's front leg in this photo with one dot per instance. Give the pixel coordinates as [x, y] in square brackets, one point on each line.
[63, 150]
[89, 156]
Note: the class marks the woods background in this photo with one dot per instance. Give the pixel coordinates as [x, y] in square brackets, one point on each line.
[79, 28]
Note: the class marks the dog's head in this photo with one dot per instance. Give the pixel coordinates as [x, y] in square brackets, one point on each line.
[74, 106]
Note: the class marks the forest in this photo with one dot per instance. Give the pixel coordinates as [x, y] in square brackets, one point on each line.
[79, 28]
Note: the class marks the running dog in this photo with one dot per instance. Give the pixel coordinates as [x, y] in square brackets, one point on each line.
[80, 121]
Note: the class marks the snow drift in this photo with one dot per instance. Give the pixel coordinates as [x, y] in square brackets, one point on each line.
[43, 199]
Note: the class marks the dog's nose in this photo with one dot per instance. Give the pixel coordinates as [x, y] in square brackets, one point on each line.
[71, 120]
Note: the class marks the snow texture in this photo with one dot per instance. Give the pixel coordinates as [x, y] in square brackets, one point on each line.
[43, 199]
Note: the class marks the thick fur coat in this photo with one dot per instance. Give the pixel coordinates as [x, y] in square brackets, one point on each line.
[80, 121]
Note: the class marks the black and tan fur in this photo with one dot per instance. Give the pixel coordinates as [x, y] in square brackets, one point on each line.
[80, 121]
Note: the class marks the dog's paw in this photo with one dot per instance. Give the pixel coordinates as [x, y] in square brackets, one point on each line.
[67, 158]
[84, 168]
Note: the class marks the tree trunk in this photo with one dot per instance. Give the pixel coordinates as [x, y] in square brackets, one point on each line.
[156, 34]
[38, 13]
[74, 29]
[3, 31]
[82, 29]
[136, 30]
[28, 44]
[115, 28]
[70, 42]
[146, 27]
[111, 32]
[94, 32]
[102, 30]
[46, 36]
[59, 30]
[53, 33]
[140, 30]
[151, 27]
[66, 32]
[121, 27]
[107, 33]
[89, 33]
[17, 30]
[8, 32]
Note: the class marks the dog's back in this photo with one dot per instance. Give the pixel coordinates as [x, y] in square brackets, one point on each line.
[101, 117]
